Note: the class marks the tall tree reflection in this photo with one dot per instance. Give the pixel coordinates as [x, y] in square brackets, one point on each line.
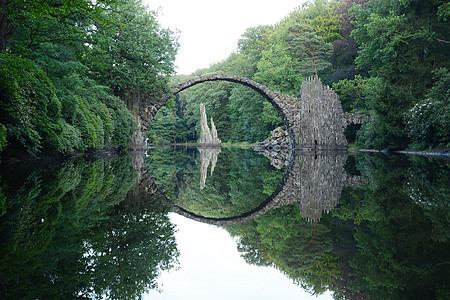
[67, 232]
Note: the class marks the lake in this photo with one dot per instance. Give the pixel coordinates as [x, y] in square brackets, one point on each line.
[226, 223]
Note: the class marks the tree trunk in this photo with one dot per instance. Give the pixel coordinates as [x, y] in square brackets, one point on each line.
[3, 29]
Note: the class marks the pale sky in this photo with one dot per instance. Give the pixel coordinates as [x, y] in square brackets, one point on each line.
[212, 268]
[210, 30]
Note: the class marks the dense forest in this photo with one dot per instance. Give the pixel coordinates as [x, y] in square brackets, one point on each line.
[69, 69]
[387, 59]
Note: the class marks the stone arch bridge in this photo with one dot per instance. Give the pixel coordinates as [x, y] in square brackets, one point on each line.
[313, 180]
[316, 120]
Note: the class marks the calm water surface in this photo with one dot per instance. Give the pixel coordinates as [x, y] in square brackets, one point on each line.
[188, 223]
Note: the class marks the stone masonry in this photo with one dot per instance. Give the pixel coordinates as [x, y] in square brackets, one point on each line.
[314, 121]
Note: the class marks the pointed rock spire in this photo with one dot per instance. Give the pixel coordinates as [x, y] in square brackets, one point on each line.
[207, 136]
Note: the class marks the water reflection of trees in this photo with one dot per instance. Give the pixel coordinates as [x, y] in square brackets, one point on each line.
[84, 229]
[66, 232]
[387, 239]
[242, 180]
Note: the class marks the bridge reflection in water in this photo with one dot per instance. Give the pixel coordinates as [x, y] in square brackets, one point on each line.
[313, 180]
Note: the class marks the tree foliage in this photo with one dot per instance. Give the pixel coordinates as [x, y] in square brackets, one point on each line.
[64, 64]
[429, 119]
[309, 49]
[403, 43]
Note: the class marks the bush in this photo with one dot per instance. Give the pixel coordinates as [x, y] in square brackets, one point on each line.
[29, 107]
[34, 119]
[429, 120]
[123, 122]
[71, 140]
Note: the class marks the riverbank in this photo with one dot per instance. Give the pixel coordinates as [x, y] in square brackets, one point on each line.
[24, 157]
[440, 153]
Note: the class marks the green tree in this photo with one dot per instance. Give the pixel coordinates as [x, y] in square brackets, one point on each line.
[403, 43]
[309, 49]
[353, 93]
[130, 60]
[323, 17]
[162, 128]
[252, 117]
[87, 52]
[403, 244]
[136, 64]
[250, 47]
[345, 48]
[24, 24]
[429, 119]
[276, 69]
[29, 107]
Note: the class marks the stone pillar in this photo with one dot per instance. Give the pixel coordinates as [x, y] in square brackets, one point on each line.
[213, 131]
[207, 136]
[322, 118]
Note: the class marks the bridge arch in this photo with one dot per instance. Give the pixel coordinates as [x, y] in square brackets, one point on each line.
[149, 189]
[317, 116]
[273, 97]
[316, 121]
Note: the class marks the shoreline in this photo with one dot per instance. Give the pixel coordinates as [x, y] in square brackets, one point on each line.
[201, 145]
[26, 158]
[441, 153]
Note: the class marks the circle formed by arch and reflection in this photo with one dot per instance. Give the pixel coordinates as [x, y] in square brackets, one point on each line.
[272, 97]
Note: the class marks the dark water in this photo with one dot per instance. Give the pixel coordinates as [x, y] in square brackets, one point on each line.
[364, 226]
